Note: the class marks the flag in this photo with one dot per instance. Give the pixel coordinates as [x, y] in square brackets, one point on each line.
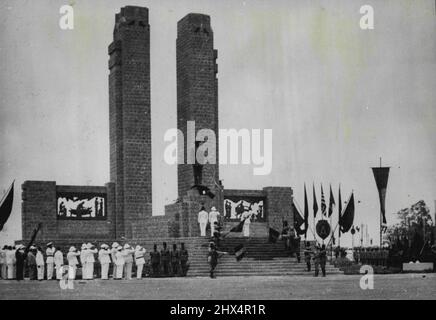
[346, 221]
[315, 204]
[323, 205]
[238, 227]
[331, 202]
[240, 252]
[339, 203]
[298, 220]
[306, 212]
[6, 206]
[381, 176]
[273, 235]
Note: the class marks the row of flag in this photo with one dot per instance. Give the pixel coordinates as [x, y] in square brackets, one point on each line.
[346, 217]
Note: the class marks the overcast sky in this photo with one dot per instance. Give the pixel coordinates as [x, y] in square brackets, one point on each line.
[336, 97]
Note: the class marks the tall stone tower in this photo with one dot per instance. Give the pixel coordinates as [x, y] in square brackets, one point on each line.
[130, 123]
[197, 93]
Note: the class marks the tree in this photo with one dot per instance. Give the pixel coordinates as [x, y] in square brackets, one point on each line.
[415, 227]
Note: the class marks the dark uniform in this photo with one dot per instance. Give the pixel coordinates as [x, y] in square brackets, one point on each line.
[20, 256]
[31, 264]
[175, 260]
[320, 259]
[212, 259]
[183, 260]
[307, 257]
[155, 261]
[165, 258]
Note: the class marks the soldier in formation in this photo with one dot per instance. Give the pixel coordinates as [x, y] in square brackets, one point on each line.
[15, 262]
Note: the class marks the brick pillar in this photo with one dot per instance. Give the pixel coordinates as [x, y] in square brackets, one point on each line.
[130, 123]
[197, 92]
[278, 206]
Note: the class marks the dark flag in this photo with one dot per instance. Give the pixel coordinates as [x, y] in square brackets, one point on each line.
[331, 202]
[347, 219]
[339, 203]
[323, 205]
[381, 176]
[6, 206]
[273, 235]
[240, 252]
[298, 220]
[315, 203]
[238, 227]
[306, 212]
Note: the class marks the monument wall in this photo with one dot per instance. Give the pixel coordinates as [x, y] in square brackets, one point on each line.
[41, 202]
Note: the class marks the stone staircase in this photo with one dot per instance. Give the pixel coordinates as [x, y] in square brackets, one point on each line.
[261, 258]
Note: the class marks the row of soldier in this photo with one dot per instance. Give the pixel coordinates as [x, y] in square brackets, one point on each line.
[121, 259]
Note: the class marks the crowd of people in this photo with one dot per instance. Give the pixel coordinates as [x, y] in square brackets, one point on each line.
[117, 260]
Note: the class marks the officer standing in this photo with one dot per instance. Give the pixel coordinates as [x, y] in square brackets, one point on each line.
[3, 263]
[31, 263]
[20, 256]
[320, 259]
[139, 260]
[307, 256]
[83, 254]
[49, 252]
[90, 259]
[113, 257]
[165, 258]
[184, 256]
[40, 264]
[72, 261]
[59, 262]
[119, 260]
[104, 259]
[128, 261]
[213, 218]
[175, 260]
[212, 258]
[155, 260]
[203, 218]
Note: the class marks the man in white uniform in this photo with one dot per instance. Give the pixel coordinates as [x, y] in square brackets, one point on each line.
[128, 261]
[203, 218]
[3, 263]
[90, 261]
[213, 217]
[83, 254]
[119, 260]
[59, 262]
[49, 252]
[104, 258]
[114, 258]
[139, 260]
[72, 262]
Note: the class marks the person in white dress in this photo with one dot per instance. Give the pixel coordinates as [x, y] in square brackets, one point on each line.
[104, 258]
[246, 217]
[213, 217]
[203, 218]
[139, 260]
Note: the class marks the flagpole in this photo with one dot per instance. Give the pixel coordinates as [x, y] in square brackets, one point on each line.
[343, 212]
